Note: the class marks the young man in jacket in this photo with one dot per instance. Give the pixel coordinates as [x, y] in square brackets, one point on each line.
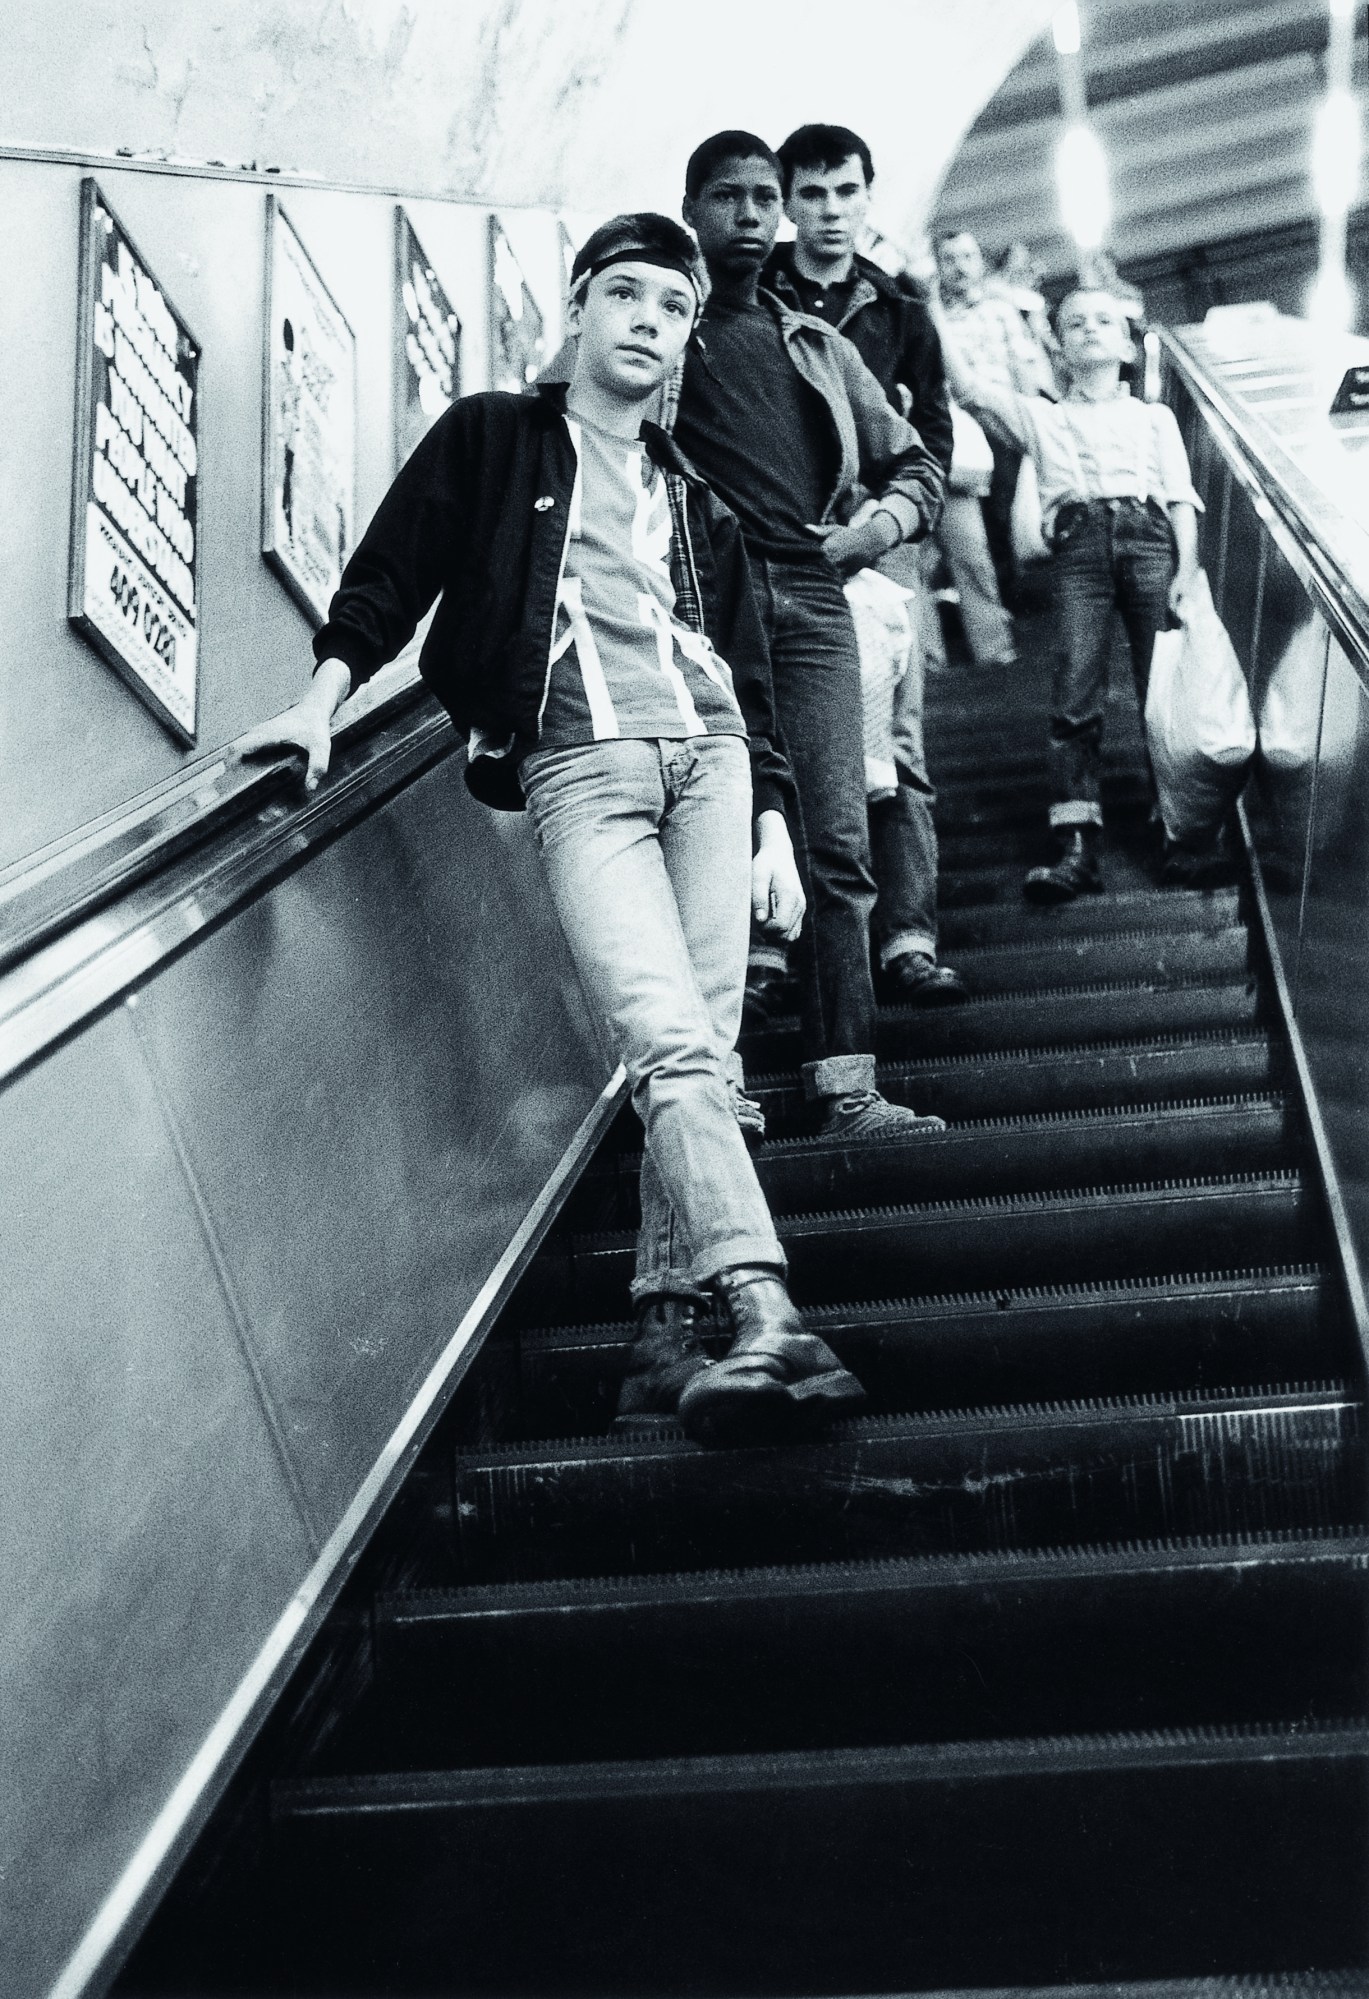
[795, 433]
[826, 175]
[598, 641]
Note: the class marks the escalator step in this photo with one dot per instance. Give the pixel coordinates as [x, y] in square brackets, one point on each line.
[1023, 1346]
[1156, 909]
[1071, 1016]
[834, 1870]
[1252, 1461]
[941, 1648]
[1073, 1236]
[1052, 962]
[998, 1156]
[1029, 1082]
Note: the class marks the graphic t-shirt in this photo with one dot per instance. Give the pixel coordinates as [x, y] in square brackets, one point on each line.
[622, 663]
[760, 434]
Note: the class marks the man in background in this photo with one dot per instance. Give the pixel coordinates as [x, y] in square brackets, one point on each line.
[993, 345]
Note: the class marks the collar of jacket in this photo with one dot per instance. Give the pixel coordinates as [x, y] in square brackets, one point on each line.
[871, 283]
[661, 447]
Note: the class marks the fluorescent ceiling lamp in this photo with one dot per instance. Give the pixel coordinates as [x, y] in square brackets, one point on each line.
[1081, 178]
[1065, 28]
[1336, 147]
[1331, 300]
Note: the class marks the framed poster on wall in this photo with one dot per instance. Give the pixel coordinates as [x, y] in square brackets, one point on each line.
[309, 390]
[518, 336]
[133, 574]
[427, 363]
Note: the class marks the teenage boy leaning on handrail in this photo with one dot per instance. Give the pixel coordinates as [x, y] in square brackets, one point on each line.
[598, 639]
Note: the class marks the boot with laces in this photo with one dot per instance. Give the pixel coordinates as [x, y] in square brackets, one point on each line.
[666, 1355]
[776, 1383]
[1078, 871]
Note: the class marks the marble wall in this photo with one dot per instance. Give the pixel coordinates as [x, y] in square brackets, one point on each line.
[578, 104]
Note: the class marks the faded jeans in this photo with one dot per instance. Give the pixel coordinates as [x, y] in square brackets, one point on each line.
[647, 851]
[1106, 555]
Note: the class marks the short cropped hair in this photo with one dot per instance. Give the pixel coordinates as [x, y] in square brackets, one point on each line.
[705, 160]
[824, 147]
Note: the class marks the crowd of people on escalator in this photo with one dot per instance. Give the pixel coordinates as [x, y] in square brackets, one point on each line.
[685, 604]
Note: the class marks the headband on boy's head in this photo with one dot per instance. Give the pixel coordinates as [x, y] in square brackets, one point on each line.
[639, 239]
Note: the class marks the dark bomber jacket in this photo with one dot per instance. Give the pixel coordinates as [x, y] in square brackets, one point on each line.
[893, 333]
[480, 518]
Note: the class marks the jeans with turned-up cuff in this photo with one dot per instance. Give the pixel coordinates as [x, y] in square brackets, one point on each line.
[646, 845]
[1106, 555]
[816, 666]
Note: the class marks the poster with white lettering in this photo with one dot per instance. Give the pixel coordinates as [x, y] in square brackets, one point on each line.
[427, 343]
[309, 423]
[517, 333]
[133, 570]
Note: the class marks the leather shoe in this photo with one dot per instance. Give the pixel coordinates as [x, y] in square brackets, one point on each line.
[665, 1357]
[914, 979]
[776, 1383]
[1078, 871]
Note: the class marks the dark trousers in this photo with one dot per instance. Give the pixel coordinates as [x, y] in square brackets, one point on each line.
[818, 707]
[1106, 556]
[997, 504]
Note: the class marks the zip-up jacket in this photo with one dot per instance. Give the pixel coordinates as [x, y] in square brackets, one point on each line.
[894, 334]
[479, 518]
[880, 455]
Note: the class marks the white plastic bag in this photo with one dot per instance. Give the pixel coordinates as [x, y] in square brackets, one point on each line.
[884, 634]
[1199, 723]
[1028, 542]
[971, 458]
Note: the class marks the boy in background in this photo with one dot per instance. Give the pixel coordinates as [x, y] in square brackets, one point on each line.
[1119, 513]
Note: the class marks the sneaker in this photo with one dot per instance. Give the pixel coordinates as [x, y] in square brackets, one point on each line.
[868, 1116]
[915, 979]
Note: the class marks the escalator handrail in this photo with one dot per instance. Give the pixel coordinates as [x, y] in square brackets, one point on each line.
[48, 892]
[108, 906]
[1341, 605]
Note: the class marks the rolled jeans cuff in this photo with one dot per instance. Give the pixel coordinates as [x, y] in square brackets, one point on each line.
[903, 944]
[773, 957]
[735, 1251]
[838, 1076]
[1077, 812]
[669, 1284]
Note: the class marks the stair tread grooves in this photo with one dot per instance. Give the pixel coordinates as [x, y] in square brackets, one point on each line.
[784, 1769]
[1271, 1399]
[1249, 1039]
[1274, 1548]
[1024, 996]
[1192, 1109]
[1257, 1280]
[1274, 1180]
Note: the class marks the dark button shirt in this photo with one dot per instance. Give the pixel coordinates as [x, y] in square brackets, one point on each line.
[829, 302]
[760, 434]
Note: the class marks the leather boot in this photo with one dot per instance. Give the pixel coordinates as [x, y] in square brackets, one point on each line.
[1078, 871]
[665, 1357]
[776, 1383]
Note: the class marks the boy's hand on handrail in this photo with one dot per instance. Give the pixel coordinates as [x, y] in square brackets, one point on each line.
[307, 725]
[777, 898]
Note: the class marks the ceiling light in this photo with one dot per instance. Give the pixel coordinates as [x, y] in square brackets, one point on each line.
[1336, 145]
[1065, 28]
[1081, 177]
